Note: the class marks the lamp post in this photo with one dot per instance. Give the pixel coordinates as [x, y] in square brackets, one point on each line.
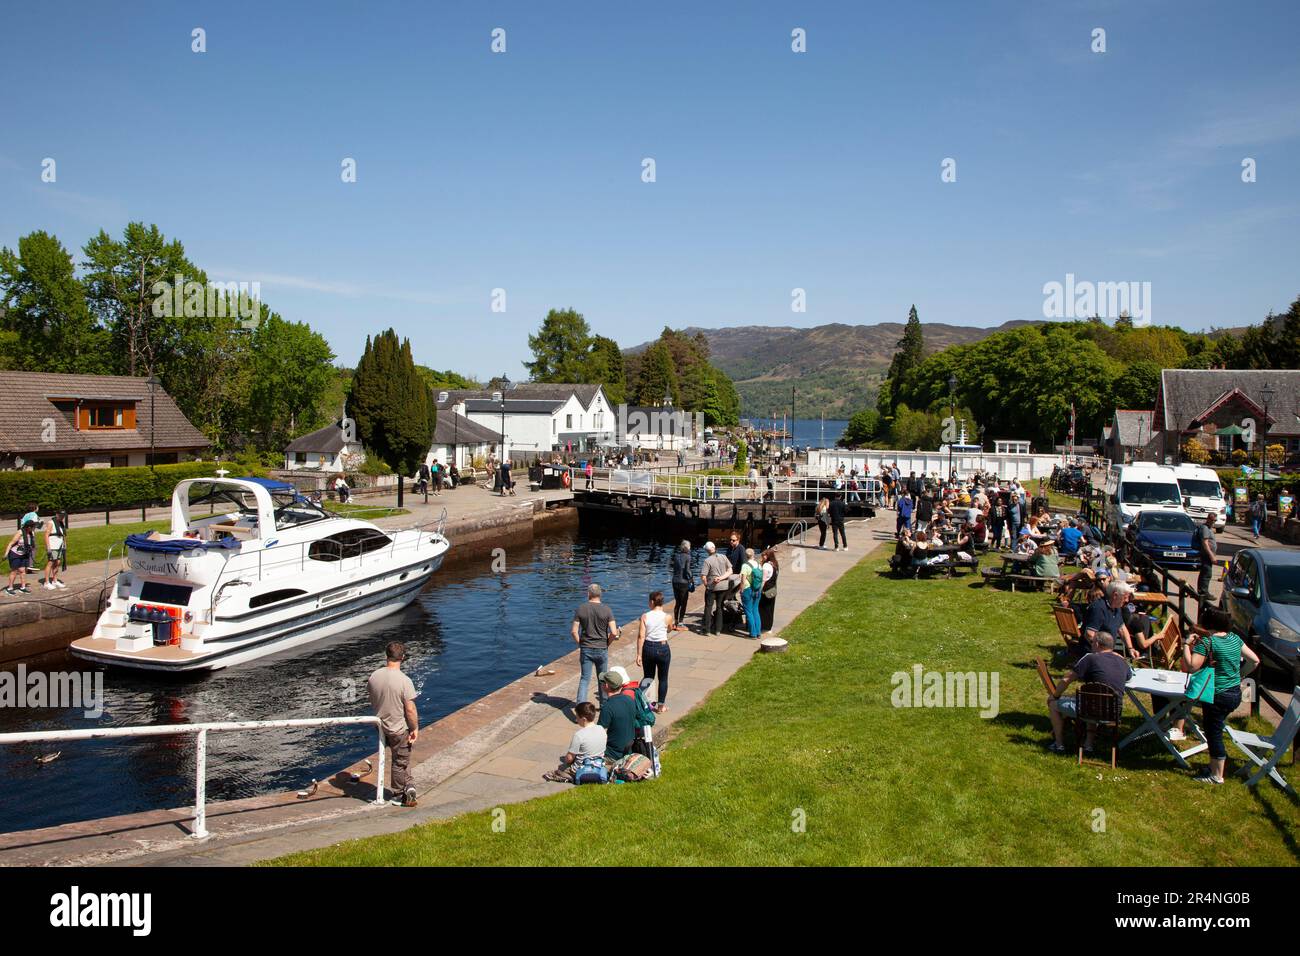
[1266, 393]
[952, 408]
[153, 384]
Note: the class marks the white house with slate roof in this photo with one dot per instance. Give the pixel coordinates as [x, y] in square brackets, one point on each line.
[539, 418]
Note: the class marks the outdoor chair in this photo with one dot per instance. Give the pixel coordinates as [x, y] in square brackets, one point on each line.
[1068, 625]
[1045, 676]
[1277, 744]
[1167, 650]
[1098, 705]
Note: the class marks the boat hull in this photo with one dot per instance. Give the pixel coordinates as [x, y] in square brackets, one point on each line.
[252, 638]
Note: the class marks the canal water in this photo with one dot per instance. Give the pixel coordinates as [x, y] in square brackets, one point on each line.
[471, 631]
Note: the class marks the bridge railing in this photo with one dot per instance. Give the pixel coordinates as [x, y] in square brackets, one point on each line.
[780, 489]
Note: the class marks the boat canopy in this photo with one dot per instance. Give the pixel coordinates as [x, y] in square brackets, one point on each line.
[142, 542]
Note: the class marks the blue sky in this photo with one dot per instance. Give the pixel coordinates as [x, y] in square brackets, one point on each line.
[775, 170]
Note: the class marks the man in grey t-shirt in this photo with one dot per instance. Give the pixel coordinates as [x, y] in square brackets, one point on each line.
[594, 629]
[392, 697]
[717, 578]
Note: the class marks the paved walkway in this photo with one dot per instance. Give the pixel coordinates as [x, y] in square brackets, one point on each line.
[491, 753]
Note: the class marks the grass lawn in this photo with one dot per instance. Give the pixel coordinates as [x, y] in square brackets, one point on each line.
[363, 512]
[92, 543]
[812, 735]
[1059, 502]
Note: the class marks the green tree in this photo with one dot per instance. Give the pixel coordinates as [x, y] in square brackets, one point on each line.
[292, 366]
[605, 367]
[862, 428]
[909, 353]
[657, 377]
[915, 429]
[1136, 386]
[446, 380]
[43, 303]
[122, 283]
[560, 348]
[391, 405]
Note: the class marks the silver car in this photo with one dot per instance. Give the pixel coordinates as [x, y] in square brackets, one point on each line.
[1261, 592]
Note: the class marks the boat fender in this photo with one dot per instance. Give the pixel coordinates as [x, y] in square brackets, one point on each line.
[565, 479]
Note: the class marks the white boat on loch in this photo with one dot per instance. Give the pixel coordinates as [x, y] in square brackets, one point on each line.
[265, 571]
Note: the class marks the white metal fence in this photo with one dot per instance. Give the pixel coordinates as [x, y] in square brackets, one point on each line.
[201, 749]
[800, 489]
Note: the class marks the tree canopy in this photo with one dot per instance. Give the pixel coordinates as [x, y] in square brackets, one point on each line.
[392, 406]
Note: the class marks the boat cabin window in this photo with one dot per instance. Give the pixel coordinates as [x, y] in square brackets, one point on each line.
[348, 544]
[275, 597]
[156, 592]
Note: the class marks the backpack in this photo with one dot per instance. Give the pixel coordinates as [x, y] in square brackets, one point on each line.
[633, 768]
[590, 769]
[645, 717]
[646, 748]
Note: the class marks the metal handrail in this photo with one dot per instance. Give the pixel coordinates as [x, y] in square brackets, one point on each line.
[796, 489]
[200, 830]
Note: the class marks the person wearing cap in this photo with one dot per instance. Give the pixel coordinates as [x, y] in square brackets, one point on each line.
[617, 715]
[594, 630]
[392, 697]
[19, 554]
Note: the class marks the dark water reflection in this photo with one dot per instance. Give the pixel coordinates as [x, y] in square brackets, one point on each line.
[470, 632]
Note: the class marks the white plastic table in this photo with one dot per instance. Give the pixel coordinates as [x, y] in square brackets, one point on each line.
[1170, 684]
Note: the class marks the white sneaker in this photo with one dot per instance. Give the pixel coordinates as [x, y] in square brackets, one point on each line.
[1176, 734]
[60, 585]
[47, 585]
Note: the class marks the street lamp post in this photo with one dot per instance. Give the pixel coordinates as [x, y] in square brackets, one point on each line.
[1266, 393]
[505, 384]
[952, 408]
[153, 383]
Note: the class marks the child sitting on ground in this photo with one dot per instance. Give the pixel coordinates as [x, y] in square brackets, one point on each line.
[588, 741]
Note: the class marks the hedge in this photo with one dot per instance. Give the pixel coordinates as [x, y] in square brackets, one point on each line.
[101, 489]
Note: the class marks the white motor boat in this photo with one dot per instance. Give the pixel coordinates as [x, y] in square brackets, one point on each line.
[252, 568]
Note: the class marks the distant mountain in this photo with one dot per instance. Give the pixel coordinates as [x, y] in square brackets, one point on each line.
[836, 368]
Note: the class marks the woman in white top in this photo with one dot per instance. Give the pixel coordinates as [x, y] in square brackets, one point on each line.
[652, 652]
[56, 550]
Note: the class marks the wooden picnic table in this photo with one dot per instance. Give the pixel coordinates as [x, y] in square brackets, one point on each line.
[1149, 597]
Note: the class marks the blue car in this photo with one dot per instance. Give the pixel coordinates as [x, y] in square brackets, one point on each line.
[1166, 537]
[1261, 592]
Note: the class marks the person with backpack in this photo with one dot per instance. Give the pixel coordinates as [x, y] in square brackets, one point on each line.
[586, 745]
[653, 655]
[617, 717]
[19, 553]
[751, 587]
[56, 550]
[422, 476]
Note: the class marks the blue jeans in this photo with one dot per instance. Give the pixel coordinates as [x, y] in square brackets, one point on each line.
[1254, 523]
[750, 598]
[594, 661]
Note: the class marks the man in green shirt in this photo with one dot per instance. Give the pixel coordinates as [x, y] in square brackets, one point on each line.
[618, 717]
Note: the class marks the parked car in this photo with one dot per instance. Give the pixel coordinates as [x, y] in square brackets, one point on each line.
[1166, 537]
[1261, 591]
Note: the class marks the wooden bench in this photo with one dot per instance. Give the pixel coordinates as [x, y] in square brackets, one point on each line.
[1033, 580]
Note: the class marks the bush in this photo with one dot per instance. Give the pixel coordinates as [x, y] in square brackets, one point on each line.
[1195, 452]
[742, 457]
[101, 489]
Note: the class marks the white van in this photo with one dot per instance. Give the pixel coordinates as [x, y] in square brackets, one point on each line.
[1141, 486]
[1202, 493]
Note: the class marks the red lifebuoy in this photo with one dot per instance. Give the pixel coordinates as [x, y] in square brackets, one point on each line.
[565, 479]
